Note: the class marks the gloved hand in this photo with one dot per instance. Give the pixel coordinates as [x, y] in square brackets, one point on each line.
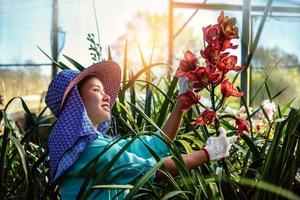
[184, 85]
[218, 147]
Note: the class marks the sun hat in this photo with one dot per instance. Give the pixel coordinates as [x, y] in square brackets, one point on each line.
[73, 129]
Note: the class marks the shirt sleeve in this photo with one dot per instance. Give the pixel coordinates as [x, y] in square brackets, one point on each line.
[133, 163]
[155, 142]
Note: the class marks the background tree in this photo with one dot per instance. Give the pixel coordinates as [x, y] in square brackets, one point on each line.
[283, 70]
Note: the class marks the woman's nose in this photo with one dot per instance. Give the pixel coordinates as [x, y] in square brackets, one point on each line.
[107, 97]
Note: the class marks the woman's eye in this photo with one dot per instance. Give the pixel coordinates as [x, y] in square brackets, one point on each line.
[97, 90]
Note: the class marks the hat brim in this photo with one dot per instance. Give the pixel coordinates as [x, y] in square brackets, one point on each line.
[108, 72]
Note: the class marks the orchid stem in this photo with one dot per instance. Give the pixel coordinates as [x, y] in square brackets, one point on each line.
[202, 105]
[212, 97]
[220, 103]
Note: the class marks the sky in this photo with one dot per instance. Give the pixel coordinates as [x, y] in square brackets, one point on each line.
[26, 24]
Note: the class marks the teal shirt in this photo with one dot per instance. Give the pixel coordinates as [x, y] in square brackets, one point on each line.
[136, 154]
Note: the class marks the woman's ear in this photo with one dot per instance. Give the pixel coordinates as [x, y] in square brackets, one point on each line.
[83, 81]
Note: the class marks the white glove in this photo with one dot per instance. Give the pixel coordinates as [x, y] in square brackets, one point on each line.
[218, 147]
[184, 85]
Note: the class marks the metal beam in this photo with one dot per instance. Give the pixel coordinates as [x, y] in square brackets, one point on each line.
[170, 41]
[233, 7]
[25, 64]
[54, 36]
[245, 48]
[185, 24]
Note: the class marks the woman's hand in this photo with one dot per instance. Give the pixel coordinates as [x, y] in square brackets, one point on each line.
[218, 147]
[184, 85]
[186, 95]
[215, 148]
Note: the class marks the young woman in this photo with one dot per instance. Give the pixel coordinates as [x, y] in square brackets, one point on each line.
[82, 103]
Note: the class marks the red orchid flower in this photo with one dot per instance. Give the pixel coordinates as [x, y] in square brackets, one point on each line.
[228, 45]
[199, 77]
[212, 53]
[213, 33]
[228, 63]
[228, 26]
[228, 89]
[242, 125]
[216, 45]
[229, 29]
[222, 18]
[216, 77]
[188, 99]
[189, 63]
[207, 117]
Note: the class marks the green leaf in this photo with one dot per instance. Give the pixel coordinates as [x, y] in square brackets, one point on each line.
[3, 154]
[1, 115]
[22, 155]
[63, 66]
[148, 104]
[25, 107]
[263, 83]
[109, 54]
[139, 73]
[59, 64]
[266, 115]
[167, 102]
[279, 93]
[125, 63]
[269, 187]
[144, 179]
[152, 52]
[287, 107]
[144, 63]
[248, 115]
[132, 95]
[254, 150]
[74, 63]
[186, 146]
[268, 90]
[112, 187]
[172, 194]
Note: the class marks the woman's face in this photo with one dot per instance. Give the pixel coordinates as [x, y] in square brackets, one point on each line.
[95, 100]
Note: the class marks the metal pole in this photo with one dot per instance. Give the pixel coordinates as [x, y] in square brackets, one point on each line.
[245, 48]
[234, 7]
[25, 65]
[54, 36]
[170, 53]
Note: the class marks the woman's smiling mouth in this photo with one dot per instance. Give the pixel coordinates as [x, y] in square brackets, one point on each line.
[106, 107]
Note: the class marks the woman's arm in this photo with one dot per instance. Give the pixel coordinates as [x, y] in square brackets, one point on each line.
[172, 124]
[191, 160]
[215, 149]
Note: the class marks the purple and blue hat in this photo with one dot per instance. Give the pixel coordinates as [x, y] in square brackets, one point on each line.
[73, 129]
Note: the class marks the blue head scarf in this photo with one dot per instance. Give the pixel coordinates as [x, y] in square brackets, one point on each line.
[73, 129]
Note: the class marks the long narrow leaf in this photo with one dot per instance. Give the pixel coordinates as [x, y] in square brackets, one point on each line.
[74, 63]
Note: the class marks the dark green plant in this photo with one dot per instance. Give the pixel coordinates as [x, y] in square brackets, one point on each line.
[95, 48]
